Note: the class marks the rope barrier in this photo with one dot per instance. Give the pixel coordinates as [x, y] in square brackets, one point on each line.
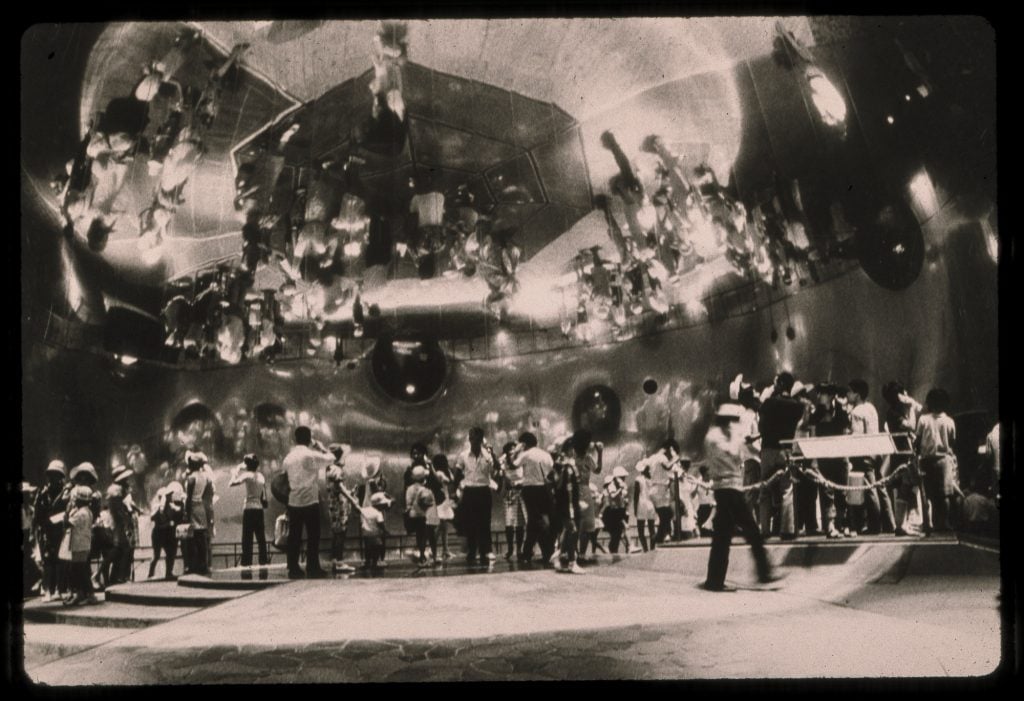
[811, 475]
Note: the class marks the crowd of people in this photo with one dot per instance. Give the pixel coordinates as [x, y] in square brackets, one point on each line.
[68, 523]
[554, 500]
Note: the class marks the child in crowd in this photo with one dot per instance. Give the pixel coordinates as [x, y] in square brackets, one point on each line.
[440, 481]
[80, 523]
[418, 500]
[614, 497]
[372, 522]
[643, 507]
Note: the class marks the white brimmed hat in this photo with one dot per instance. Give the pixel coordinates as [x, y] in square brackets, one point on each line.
[620, 471]
[196, 456]
[123, 474]
[85, 468]
[419, 473]
[380, 499]
[57, 466]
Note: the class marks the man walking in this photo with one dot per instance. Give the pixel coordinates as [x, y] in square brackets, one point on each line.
[722, 448]
[303, 465]
[536, 464]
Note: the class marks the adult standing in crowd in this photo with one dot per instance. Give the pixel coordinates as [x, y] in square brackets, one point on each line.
[864, 420]
[778, 419]
[586, 467]
[936, 435]
[901, 417]
[197, 484]
[722, 448]
[303, 464]
[515, 513]
[248, 475]
[567, 508]
[339, 508]
[663, 476]
[830, 419]
[50, 507]
[478, 468]
[167, 514]
[536, 464]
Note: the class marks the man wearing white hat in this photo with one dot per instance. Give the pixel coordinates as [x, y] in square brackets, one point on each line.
[50, 505]
[722, 448]
[197, 484]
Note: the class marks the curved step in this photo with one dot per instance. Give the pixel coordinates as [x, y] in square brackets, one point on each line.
[106, 614]
[229, 581]
[163, 593]
[45, 642]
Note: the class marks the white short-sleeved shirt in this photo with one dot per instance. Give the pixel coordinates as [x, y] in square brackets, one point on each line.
[303, 465]
[864, 418]
[477, 470]
[372, 520]
[536, 465]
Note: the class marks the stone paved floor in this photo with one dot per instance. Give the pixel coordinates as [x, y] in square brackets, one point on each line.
[615, 623]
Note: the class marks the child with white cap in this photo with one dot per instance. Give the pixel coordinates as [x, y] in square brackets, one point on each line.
[80, 523]
[418, 500]
[614, 499]
[372, 524]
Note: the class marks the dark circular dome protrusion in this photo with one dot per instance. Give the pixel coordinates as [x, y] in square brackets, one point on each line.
[598, 409]
[197, 427]
[891, 251]
[650, 385]
[409, 370]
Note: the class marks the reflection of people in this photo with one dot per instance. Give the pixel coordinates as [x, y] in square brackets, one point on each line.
[722, 448]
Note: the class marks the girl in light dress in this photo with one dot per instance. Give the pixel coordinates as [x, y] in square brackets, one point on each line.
[643, 506]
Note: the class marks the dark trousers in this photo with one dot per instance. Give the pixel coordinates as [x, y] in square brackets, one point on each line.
[937, 478]
[805, 505]
[833, 501]
[199, 556]
[424, 534]
[476, 502]
[615, 524]
[877, 505]
[252, 525]
[304, 518]
[640, 526]
[732, 511]
[49, 549]
[81, 577]
[538, 504]
[570, 529]
[164, 542]
[373, 550]
[664, 523]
